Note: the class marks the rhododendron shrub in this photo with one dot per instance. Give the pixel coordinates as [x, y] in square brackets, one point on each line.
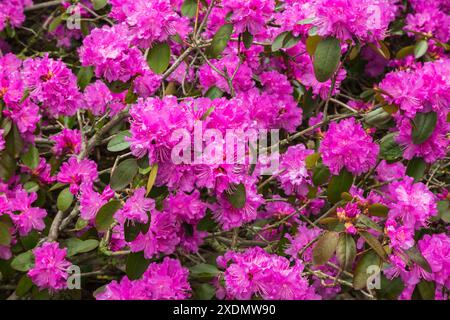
[224, 149]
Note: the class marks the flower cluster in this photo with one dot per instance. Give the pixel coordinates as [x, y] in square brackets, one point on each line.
[162, 281]
[255, 272]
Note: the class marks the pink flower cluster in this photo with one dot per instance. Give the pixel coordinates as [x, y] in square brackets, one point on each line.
[11, 12]
[256, 273]
[167, 280]
[347, 145]
[50, 267]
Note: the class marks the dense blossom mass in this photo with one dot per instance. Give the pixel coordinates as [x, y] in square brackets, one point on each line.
[224, 149]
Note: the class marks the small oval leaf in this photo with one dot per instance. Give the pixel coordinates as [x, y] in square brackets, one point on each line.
[159, 57]
[124, 174]
[325, 247]
[326, 58]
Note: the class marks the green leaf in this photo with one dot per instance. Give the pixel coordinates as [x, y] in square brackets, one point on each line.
[416, 256]
[99, 4]
[118, 143]
[279, 40]
[444, 210]
[5, 236]
[204, 291]
[423, 126]
[131, 230]
[159, 57]
[14, 142]
[65, 199]
[390, 289]
[31, 157]
[189, 8]
[119, 86]
[7, 166]
[326, 59]
[136, 265]
[76, 246]
[289, 41]
[220, 40]
[214, 93]
[23, 262]
[23, 286]
[247, 39]
[361, 273]
[124, 174]
[81, 224]
[346, 251]
[378, 210]
[427, 290]
[420, 48]
[31, 186]
[416, 168]
[325, 247]
[389, 149]
[105, 216]
[204, 270]
[378, 118]
[237, 196]
[339, 184]
[311, 160]
[320, 175]
[84, 77]
[374, 244]
[311, 44]
[365, 221]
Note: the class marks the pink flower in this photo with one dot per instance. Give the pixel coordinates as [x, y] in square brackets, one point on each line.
[108, 50]
[91, 201]
[436, 250]
[149, 22]
[411, 202]
[53, 85]
[146, 84]
[251, 15]
[230, 217]
[162, 236]
[136, 208]
[27, 217]
[388, 172]
[167, 280]
[75, 172]
[347, 145]
[42, 171]
[255, 272]
[11, 12]
[293, 175]
[188, 208]
[67, 142]
[50, 267]
[401, 237]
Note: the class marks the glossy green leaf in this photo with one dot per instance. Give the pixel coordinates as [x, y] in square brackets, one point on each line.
[326, 58]
[346, 251]
[84, 77]
[124, 173]
[325, 247]
[339, 184]
[320, 175]
[378, 210]
[5, 236]
[105, 216]
[238, 196]
[23, 262]
[416, 168]
[204, 270]
[118, 143]
[99, 4]
[416, 256]
[389, 149]
[65, 199]
[31, 157]
[159, 57]
[374, 244]
[420, 48]
[220, 41]
[189, 8]
[423, 126]
[136, 265]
